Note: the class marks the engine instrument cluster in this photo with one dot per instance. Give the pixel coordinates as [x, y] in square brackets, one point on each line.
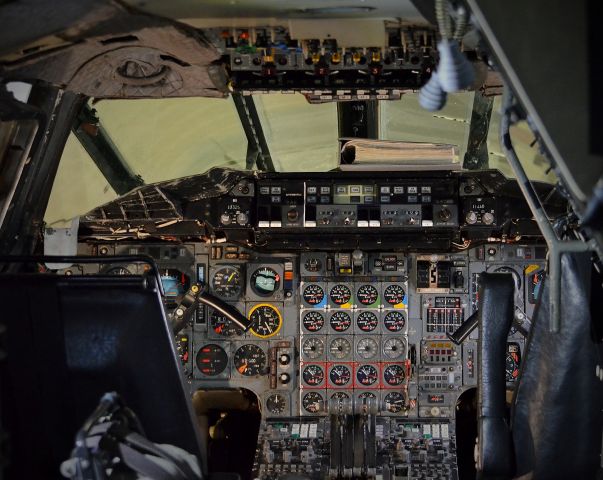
[333, 325]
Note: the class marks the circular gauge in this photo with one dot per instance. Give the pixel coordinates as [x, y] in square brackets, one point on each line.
[276, 403]
[394, 294]
[313, 375]
[313, 347]
[393, 347]
[394, 321]
[340, 321]
[393, 375]
[340, 294]
[364, 395]
[223, 326]
[313, 265]
[340, 396]
[367, 321]
[211, 360]
[394, 402]
[367, 348]
[118, 271]
[313, 321]
[367, 295]
[226, 282]
[313, 402]
[265, 281]
[340, 348]
[367, 375]
[266, 320]
[340, 375]
[250, 360]
[313, 294]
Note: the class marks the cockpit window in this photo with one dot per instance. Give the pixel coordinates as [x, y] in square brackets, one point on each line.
[407, 121]
[171, 138]
[301, 137]
[164, 139]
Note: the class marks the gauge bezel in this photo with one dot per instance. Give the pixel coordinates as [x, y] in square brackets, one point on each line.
[241, 285]
[253, 293]
[236, 348]
[305, 313]
[367, 305]
[221, 374]
[256, 307]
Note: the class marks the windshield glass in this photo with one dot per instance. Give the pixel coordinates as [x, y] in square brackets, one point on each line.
[163, 139]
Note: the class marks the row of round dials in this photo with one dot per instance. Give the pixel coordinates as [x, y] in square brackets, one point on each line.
[340, 321]
[314, 402]
[339, 348]
[227, 282]
[249, 360]
[365, 375]
[366, 294]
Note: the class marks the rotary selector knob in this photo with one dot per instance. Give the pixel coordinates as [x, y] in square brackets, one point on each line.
[471, 218]
[445, 214]
[242, 218]
[488, 218]
[225, 219]
[284, 378]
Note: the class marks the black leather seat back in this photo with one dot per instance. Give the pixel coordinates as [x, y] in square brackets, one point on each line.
[69, 340]
[557, 412]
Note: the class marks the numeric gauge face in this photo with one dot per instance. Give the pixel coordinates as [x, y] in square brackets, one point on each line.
[266, 320]
[364, 395]
[313, 321]
[394, 402]
[211, 360]
[394, 375]
[393, 348]
[367, 348]
[227, 283]
[340, 321]
[313, 402]
[367, 321]
[340, 375]
[367, 295]
[276, 404]
[340, 348]
[313, 294]
[118, 271]
[394, 321]
[223, 326]
[313, 375]
[265, 281]
[340, 396]
[313, 347]
[394, 294]
[250, 360]
[313, 265]
[340, 294]
[367, 375]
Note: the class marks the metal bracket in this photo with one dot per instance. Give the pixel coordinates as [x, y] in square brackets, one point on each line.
[257, 147]
[556, 246]
[104, 153]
